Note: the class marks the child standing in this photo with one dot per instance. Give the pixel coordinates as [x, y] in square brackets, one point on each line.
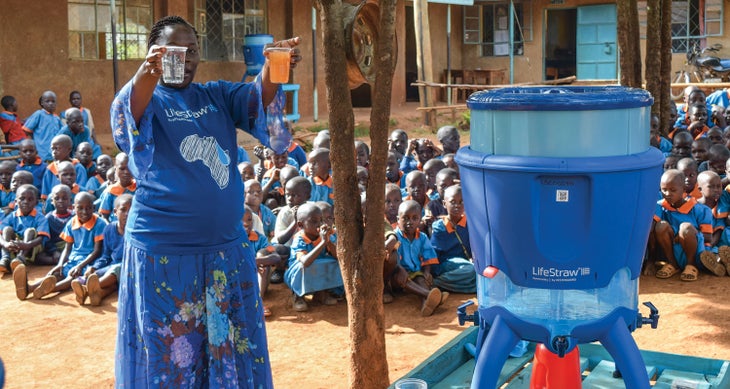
[23, 232]
[30, 161]
[450, 239]
[44, 124]
[415, 257]
[102, 277]
[682, 228]
[313, 266]
[83, 235]
[321, 180]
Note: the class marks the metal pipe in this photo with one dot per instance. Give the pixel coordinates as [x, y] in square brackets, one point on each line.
[315, 108]
[115, 60]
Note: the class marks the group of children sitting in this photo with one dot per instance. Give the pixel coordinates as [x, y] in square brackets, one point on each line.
[64, 203]
[289, 218]
[688, 234]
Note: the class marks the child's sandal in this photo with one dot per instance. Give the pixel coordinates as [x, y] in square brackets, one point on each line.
[267, 311]
[689, 274]
[667, 271]
[712, 263]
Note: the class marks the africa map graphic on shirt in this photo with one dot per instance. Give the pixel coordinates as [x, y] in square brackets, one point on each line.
[194, 148]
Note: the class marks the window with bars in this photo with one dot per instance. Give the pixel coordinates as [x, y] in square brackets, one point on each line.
[222, 25]
[486, 23]
[692, 22]
[90, 28]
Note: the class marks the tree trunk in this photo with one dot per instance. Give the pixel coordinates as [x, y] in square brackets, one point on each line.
[653, 59]
[628, 43]
[360, 248]
[665, 76]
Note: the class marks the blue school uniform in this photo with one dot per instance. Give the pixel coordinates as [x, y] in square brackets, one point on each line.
[258, 242]
[50, 177]
[56, 222]
[683, 117]
[455, 272]
[106, 201]
[297, 153]
[409, 164]
[44, 126]
[699, 215]
[268, 219]
[322, 190]
[7, 196]
[76, 139]
[416, 253]
[110, 259]
[38, 169]
[323, 274]
[20, 223]
[94, 185]
[207, 264]
[82, 238]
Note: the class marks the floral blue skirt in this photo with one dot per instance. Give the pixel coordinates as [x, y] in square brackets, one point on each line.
[191, 321]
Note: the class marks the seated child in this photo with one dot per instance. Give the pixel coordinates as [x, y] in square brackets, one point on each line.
[83, 234]
[450, 239]
[432, 168]
[393, 199]
[85, 155]
[321, 180]
[297, 153]
[682, 144]
[670, 161]
[76, 130]
[692, 95]
[246, 170]
[66, 176]
[44, 124]
[419, 152]
[398, 142]
[7, 168]
[275, 199]
[362, 179]
[252, 199]
[23, 233]
[449, 138]
[698, 121]
[270, 179]
[321, 141]
[700, 150]
[61, 151]
[415, 258]
[715, 136]
[30, 161]
[298, 190]
[62, 212]
[20, 177]
[393, 174]
[717, 159]
[102, 276]
[10, 124]
[449, 161]
[688, 167]
[444, 179]
[416, 190]
[125, 183]
[97, 181]
[681, 228]
[267, 255]
[313, 266]
[655, 137]
[362, 154]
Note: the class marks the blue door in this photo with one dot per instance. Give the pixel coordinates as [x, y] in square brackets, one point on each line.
[596, 48]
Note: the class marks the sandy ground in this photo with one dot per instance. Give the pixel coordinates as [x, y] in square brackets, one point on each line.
[55, 343]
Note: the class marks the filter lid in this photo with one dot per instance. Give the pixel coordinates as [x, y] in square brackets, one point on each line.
[562, 98]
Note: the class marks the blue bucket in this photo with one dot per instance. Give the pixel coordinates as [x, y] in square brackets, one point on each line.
[253, 52]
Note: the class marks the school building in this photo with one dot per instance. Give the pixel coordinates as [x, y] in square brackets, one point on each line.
[66, 45]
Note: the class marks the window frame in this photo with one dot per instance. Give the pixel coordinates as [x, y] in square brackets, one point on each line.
[476, 26]
[712, 26]
[230, 48]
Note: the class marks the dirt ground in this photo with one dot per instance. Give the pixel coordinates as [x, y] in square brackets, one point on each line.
[55, 343]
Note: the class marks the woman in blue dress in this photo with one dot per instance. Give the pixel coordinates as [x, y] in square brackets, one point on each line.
[189, 309]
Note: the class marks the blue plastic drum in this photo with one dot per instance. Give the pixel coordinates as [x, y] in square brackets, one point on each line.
[253, 52]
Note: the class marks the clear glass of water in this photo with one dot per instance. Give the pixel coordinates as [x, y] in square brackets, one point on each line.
[173, 64]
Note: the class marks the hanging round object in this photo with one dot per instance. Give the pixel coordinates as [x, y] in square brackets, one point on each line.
[361, 37]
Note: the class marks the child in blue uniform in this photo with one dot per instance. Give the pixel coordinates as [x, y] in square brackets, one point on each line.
[44, 124]
[76, 130]
[416, 190]
[700, 150]
[62, 212]
[393, 199]
[415, 258]
[84, 154]
[393, 174]
[102, 276]
[419, 152]
[20, 177]
[450, 239]
[688, 167]
[362, 154]
[431, 169]
[398, 142]
[7, 168]
[682, 228]
[449, 138]
[83, 236]
[23, 232]
[61, 151]
[321, 180]
[266, 255]
[97, 182]
[125, 183]
[253, 197]
[444, 179]
[313, 266]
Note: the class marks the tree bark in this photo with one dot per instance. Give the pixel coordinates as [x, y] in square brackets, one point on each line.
[628, 43]
[665, 75]
[360, 247]
[653, 57]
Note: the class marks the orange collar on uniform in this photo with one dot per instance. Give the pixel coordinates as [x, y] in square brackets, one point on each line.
[36, 162]
[117, 189]
[450, 226]
[76, 224]
[319, 181]
[306, 239]
[34, 212]
[684, 208]
[253, 236]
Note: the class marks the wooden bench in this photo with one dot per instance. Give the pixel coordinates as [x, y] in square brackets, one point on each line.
[436, 108]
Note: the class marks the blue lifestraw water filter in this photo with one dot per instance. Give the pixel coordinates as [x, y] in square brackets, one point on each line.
[559, 185]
